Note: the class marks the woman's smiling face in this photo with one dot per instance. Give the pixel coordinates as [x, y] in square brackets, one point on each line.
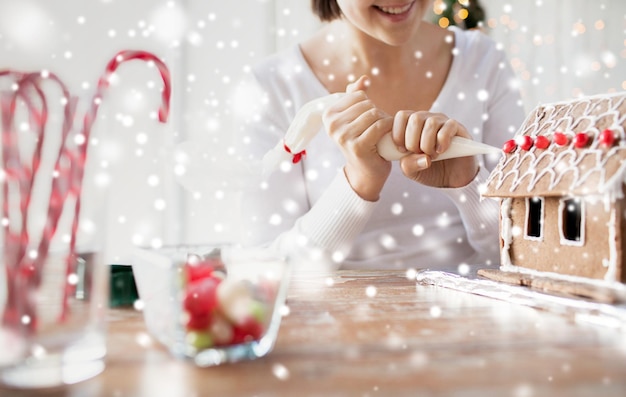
[393, 22]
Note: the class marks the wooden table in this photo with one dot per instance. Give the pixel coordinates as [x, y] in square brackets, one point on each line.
[378, 333]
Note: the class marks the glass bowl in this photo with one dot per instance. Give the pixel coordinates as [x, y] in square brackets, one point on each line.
[212, 304]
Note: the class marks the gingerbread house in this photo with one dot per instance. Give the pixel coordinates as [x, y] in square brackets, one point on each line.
[561, 186]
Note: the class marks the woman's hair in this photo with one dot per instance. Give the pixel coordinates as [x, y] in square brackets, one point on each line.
[326, 10]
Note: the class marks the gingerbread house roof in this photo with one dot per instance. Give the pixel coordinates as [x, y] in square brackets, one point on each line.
[568, 148]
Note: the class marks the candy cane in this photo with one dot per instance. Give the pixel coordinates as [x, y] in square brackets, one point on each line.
[15, 171]
[19, 301]
[60, 187]
[34, 81]
[25, 272]
[308, 122]
[13, 308]
[58, 192]
[90, 118]
[8, 150]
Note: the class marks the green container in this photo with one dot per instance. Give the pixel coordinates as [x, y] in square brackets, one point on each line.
[123, 287]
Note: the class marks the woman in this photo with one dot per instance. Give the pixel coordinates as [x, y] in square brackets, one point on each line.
[404, 76]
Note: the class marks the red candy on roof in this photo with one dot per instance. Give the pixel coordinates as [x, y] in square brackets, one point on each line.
[509, 146]
[606, 138]
[542, 142]
[525, 142]
[580, 140]
[560, 138]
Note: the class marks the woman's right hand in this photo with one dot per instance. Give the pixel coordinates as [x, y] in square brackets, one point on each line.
[425, 135]
[356, 125]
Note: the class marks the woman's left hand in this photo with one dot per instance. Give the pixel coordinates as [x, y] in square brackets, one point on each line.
[427, 135]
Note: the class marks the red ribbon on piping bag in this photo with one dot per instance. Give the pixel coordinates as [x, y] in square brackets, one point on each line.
[296, 157]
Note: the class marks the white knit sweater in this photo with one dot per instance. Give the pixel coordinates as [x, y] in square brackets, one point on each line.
[410, 225]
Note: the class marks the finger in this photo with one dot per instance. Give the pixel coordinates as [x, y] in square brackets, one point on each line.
[448, 130]
[412, 164]
[398, 131]
[342, 104]
[414, 131]
[361, 84]
[430, 132]
[353, 121]
[376, 131]
[368, 115]
[362, 136]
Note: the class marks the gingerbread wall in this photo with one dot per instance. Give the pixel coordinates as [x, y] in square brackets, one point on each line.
[601, 245]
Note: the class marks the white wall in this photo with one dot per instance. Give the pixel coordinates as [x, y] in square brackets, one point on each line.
[562, 49]
[156, 195]
[75, 39]
[244, 32]
[150, 199]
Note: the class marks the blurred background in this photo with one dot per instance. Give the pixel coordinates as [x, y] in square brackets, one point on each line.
[152, 184]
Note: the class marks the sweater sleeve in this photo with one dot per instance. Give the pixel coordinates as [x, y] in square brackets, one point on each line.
[332, 224]
[277, 210]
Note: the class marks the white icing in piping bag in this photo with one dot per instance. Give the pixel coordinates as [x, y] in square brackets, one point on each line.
[459, 147]
[308, 122]
[302, 129]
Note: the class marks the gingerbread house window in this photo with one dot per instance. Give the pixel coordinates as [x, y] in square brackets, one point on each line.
[571, 221]
[534, 218]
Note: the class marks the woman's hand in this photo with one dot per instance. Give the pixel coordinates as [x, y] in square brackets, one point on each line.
[356, 125]
[426, 135]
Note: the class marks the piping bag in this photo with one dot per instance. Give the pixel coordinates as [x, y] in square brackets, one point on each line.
[308, 121]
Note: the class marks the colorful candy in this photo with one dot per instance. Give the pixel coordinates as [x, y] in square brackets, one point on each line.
[525, 142]
[199, 340]
[509, 146]
[220, 311]
[560, 138]
[580, 140]
[607, 138]
[200, 296]
[542, 142]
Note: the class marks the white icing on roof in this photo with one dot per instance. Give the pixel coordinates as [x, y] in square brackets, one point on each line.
[566, 170]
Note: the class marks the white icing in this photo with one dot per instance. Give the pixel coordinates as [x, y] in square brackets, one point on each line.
[567, 161]
[459, 147]
[565, 277]
[505, 231]
[304, 126]
[556, 165]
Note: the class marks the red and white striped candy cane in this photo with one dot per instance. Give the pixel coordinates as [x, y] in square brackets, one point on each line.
[90, 118]
[24, 271]
[59, 179]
